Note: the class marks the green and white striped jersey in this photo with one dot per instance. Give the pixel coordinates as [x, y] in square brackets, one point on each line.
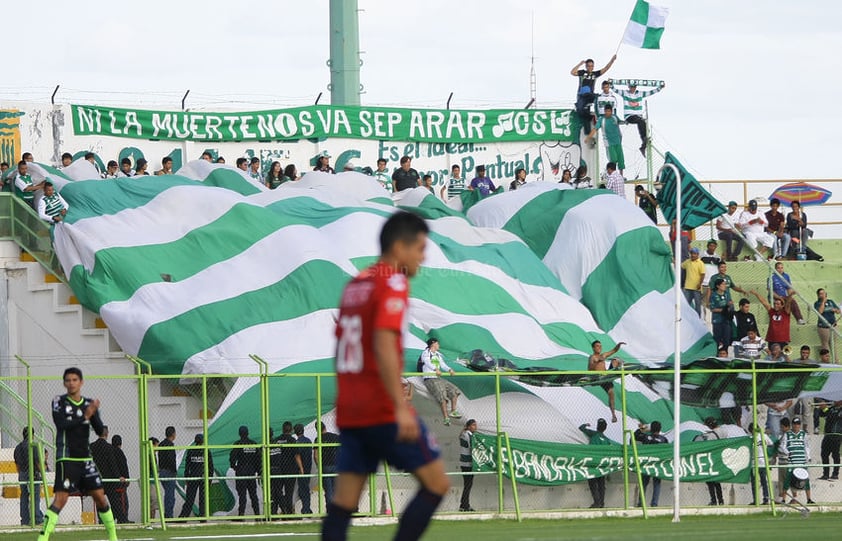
[633, 101]
[796, 446]
[455, 186]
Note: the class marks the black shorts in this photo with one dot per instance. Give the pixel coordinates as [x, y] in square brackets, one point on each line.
[77, 476]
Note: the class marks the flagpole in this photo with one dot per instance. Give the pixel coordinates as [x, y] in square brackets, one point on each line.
[676, 384]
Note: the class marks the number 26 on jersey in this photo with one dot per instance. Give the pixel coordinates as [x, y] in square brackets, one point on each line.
[349, 351]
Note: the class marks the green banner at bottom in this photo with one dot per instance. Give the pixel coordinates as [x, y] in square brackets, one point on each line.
[548, 464]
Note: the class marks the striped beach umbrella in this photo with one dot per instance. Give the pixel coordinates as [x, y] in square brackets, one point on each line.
[803, 192]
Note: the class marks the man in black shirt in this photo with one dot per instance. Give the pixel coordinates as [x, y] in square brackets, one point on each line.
[586, 93]
[745, 319]
[326, 456]
[194, 472]
[167, 470]
[305, 455]
[121, 465]
[22, 462]
[647, 203]
[103, 454]
[405, 177]
[290, 464]
[245, 461]
[74, 415]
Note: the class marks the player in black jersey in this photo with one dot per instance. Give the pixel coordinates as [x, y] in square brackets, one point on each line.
[74, 415]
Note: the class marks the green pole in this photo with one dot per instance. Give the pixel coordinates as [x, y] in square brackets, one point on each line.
[344, 60]
[640, 478]
[626, 486]
[205, 450]
[319, 469]
[29, 448]
[143, 436]
[499, 444]
[263, 366]
[513, 478]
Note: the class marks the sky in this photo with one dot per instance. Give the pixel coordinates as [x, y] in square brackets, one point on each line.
[752, 86]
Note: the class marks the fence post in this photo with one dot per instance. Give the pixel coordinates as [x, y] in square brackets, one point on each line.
[514, 479]
[205, 450]
[626, 486]
[30, 447]
[143, 429]
[265, 470]
[499, 444]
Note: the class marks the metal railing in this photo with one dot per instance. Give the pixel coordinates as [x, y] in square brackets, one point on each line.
[20, 223]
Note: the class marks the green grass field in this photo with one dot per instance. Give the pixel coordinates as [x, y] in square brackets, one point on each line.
[763, 527]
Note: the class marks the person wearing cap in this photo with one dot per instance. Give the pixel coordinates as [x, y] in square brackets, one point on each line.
[323, 163]
[597, 437]
[349, 167]
[694, 271]
[753, 225]
[194, 472]
[382, 176]
[246, 462]
[633, 108]
[482, 183]
[405, 177]
[726, 229]
[777, 227]
[442, 391]
[466, 464]
[795, 446]
[647, 203]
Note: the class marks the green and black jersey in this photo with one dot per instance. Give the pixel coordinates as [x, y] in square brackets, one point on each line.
[73, 431]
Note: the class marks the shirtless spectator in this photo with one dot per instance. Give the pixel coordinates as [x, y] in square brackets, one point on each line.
[726, 230]
[753, 225]
[600, 362]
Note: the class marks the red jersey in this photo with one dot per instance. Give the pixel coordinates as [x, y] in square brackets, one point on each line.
[376, 299]
[778, 330]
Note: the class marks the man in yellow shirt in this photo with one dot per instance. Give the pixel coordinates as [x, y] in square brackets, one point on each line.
[694, 273]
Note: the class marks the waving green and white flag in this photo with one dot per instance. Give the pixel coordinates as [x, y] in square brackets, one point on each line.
[646, 25]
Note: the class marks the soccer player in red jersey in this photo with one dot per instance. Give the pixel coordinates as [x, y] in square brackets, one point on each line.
[376, 422]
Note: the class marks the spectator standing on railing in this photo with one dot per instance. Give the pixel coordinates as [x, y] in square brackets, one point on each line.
[327, 457]
[753, 226]
[305, 456]
[827, 323]
[780, 286]
[726, 230]
[633, 109]
[777, 227]
[167, 470]
[194, 472]
[779, 319]
[466, 464]
[600, 362]
[121, 506]
[587, 87]
[21, 456]
[612, 137]
[650, 435]
[52, 208]
[441, 390]
[246, 462]
[597, 484]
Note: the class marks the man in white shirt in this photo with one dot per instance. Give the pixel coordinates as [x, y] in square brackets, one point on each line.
[606, 98]
[432, 362]
[727, 231]
[753, 224]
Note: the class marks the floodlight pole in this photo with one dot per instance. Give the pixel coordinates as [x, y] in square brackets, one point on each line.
[676, 384]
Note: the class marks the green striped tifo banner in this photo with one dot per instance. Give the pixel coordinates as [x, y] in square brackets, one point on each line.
[193, 272]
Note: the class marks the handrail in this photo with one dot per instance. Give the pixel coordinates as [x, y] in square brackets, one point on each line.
[28, 231]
